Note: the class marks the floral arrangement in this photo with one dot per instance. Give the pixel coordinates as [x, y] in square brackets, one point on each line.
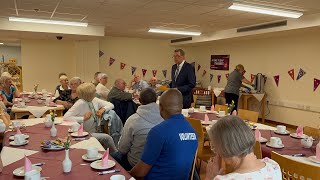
[230, 107]
[35, 87]
[67, 143]
[53, 115]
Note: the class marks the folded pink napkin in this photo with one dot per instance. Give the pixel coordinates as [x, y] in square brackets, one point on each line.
[234, 113]
[206, 118]
[18, 130]
[105, 158]
[80, 130]
[27, 164]
[318, 151]
[257, 134]
[212, 108]
[299, 131]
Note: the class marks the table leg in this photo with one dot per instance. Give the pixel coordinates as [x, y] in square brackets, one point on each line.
[245, 103]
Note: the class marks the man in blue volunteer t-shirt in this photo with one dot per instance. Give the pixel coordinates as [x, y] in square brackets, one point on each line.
[171, 145]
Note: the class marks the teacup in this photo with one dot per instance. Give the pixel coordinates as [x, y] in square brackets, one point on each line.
[75, 127]
[16, 124]
[275, 141]
[185, 112]
[281, 129]
[117, 177]
[92, 152]
[202, 108]
[307, 142]
[32, 175]
[222, 113]
[19, 138]
[191, 110]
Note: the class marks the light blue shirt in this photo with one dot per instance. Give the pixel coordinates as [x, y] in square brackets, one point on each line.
[140, 85]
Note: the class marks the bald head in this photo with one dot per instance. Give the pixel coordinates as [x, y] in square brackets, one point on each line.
[171, 102]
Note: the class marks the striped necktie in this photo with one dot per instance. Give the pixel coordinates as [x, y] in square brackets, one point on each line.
[176, 73]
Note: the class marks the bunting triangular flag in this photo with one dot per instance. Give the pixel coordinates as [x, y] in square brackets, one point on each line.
[144, 71]
[227, 75]
[199, 66]
[276, 79]
[316, 84]
[133, 70]
[122, 65]
[211, 77]
[164, 72]
[204, 73]
[291, 73]
[101, 53]
[111, 61]
[219, 78]
[252, 77]
[301, 73]
[154, 73]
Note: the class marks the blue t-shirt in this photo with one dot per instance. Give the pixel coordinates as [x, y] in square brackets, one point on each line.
[10, 95]
[170, 149]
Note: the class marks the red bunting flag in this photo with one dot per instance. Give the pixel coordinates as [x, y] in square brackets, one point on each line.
[111, 61]
[154, 73]
[164, 72]
[204, 73]
[144, 71]
[291, 73]
[219, 78]
[101, 53]
[276, 79]
[316, 84]
[122, 65]
[227, 75]
[253, 77]
[133, 69]
[199, 66]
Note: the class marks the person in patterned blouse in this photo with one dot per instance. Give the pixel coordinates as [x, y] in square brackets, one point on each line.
[68, 97]
[233, 141]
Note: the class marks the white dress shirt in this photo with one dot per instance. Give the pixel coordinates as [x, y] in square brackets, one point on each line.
[179, 67]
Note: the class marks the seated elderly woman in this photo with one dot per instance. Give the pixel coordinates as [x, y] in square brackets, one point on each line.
[68, 97]
[233, 141]
[64, 84]
[10, 90]
[89, 110]
[102, 90]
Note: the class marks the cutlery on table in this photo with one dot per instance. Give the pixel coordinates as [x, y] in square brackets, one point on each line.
[109, 172]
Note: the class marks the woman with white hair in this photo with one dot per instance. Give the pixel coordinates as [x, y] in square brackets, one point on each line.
[89, 110]
[10, 90]
[233, 141]
[102, 90]
[64, 84]
[68, 97]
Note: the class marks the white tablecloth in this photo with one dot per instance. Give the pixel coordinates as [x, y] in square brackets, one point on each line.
[35, 110]
[304, 160]
[10, 155]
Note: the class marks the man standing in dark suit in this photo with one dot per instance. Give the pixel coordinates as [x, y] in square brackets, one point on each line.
[183, 77]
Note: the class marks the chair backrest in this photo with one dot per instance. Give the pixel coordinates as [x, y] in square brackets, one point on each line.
[310, 131]
[197, 126]
[257, 150]
[248, 115]
[218, 107]
[202, 97]
[292, 169]
[193, 165]
[124, 109]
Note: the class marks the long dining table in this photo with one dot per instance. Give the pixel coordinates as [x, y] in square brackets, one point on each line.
[13, 157]
[291, 145]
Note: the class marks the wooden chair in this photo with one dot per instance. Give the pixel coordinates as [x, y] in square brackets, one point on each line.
[204, 153]
[248, 115]
[310, 131]
[202, 97]
[193, 165]
[257, 150]
[218, 107]
[294, 170]
[162, 88]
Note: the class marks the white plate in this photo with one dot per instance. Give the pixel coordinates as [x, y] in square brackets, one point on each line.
[57, 122]
[294, 135]
[221, 116]
[314, 159]
[207, 123]
[85, 157]
[282, 133]
[277, 147]
[12, 143]
[98, 165]
[75, 134]
[263, 140]
[71, 131]
[20, 171]
[53, 148]
[11, 138]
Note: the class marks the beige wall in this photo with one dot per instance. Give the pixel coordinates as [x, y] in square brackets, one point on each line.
[142, 53]
[272, 56]
[43, 60]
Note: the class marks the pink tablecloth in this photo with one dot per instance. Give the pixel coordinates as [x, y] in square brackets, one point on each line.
[53, 159]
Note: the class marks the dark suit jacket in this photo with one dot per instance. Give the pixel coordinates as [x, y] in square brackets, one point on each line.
[185, 82]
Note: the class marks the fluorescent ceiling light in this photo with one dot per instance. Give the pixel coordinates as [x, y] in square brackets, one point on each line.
[1, 43]
[167, 31]
[45, 21]
[265, 10]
